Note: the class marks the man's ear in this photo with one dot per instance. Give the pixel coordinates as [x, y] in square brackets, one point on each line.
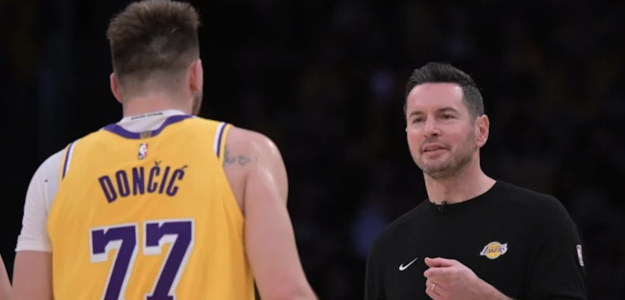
[115, 88]
[196, 76]
[482, 128]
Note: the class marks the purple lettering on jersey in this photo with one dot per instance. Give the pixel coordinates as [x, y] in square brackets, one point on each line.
[122, 183]
[160, 190]
[155, 171]
[180, 234]
[171, 188]
[138, 181]
[107, 188]
[124, 239]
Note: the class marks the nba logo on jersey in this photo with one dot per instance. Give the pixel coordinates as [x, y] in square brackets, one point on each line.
[143, 150]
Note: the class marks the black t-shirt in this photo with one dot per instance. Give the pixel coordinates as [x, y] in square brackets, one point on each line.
[521, 242]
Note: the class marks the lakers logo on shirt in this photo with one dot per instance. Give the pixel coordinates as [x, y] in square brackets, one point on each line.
[494, 249]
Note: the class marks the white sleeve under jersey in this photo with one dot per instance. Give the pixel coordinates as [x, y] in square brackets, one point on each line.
[41, 192]
[45, 182]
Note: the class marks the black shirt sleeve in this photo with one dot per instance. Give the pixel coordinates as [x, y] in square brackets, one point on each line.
[373, 276]
[557, 270]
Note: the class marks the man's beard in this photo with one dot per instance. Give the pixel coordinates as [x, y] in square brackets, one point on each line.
[454, 164]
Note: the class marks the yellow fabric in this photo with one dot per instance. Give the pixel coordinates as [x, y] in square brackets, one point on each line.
[124, 203]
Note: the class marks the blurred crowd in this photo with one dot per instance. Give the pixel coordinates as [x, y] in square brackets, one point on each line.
[325, 80]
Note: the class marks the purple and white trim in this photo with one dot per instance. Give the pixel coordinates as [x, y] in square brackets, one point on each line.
[68, 158]
[218, 138]
[116, 129]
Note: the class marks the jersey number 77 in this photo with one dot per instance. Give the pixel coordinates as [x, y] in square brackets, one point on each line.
[123, 238]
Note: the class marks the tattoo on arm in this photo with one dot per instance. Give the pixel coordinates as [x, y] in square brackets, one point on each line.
[240, 159]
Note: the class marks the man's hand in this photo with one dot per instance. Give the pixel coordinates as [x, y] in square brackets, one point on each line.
[448, 279]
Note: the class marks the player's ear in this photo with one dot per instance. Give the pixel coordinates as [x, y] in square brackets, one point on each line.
[196, 76]
[482, 127]
[115, 88]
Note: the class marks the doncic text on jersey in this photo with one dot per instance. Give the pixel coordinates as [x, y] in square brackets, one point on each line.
[134, 182]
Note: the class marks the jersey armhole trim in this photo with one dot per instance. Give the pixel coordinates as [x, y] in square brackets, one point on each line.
[67, 160]
[219, 144]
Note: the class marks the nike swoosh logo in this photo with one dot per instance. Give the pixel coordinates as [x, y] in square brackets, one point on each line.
[402, 267]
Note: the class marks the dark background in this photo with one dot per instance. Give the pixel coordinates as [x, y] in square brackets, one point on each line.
[325, 80]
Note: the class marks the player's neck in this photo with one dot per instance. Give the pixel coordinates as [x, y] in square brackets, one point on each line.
[467, 184]
[152, 103]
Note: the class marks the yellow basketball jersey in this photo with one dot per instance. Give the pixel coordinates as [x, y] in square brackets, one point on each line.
[148, 216]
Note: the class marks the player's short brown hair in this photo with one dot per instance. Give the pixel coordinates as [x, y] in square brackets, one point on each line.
[153, 36]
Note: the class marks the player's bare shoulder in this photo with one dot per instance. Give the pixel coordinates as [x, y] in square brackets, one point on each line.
[249, 153]
[240, 145]
[247, 148]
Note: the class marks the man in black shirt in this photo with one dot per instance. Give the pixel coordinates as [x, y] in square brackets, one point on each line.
[475, 237]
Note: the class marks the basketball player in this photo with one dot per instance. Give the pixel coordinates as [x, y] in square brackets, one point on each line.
[474, 237]
[162, 204]
[5, 284]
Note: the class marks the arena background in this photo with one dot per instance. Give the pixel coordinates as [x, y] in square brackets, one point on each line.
[325, 80]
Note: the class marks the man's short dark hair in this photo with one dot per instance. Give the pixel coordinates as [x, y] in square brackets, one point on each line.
[435, 72]
[153, 36]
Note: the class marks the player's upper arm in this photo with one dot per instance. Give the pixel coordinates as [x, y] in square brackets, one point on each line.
[32, 276]
[32, 270]
[558, 271]
[269, 237]
[5, 285]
